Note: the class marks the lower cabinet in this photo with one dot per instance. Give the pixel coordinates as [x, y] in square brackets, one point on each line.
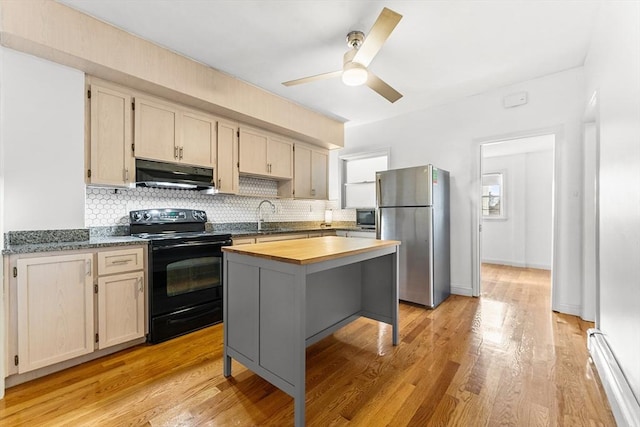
[120, 308]
[55, 310]
[62, 306]
[278, 237]
[357, 233]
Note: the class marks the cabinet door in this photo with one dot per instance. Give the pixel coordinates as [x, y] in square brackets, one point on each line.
[280, 158]
[55, 309]
[302, 169]
[228, 176]
[253, 152]
[111, 134]
[198, 140]
[319, 166]
[120, 308]
[155, 130]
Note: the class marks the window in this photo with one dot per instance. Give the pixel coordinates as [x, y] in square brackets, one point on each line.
[359, 178]
[493, 195]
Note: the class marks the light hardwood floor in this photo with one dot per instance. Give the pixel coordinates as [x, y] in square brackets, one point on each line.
[502, 359]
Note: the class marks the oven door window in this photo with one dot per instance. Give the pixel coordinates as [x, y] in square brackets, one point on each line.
[192, 275]
[185, 275]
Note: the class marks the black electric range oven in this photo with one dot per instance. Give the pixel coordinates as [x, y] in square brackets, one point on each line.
[185, 270]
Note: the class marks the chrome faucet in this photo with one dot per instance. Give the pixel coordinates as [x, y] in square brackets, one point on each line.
[260, 220]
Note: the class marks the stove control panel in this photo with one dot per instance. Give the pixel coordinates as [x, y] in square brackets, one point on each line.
[163, 216]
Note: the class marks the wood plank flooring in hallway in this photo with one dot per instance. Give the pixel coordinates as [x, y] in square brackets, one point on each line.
[502, 359]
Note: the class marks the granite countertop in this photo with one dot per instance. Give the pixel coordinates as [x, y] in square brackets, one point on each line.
[20, 242]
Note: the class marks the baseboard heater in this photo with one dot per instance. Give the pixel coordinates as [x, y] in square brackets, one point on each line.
[624, 405]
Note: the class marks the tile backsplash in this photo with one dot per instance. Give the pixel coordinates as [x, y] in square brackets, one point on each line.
[107, 207]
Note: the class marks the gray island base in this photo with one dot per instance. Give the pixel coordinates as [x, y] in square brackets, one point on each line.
[281, 297]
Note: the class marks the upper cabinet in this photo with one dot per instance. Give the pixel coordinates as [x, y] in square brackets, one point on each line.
[310, 180]
[228, 176]
[123, 124]
[198, 139]
[168, 132]
[110, 161]
[156, 136]
[265, 155]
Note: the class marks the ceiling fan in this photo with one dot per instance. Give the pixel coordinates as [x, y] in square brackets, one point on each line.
[360, 54]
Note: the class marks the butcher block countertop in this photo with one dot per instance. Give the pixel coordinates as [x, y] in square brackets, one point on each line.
[309, 251]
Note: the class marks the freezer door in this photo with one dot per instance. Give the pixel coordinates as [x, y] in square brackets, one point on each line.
[413, 227]
[404, 187]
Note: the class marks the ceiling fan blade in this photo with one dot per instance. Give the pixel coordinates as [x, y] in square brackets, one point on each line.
[309, 79]
[377, 84]
[378, 34]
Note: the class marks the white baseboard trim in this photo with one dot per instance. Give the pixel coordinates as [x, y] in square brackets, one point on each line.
[572, 309]
[517, 264]
[461, 290]
[624, 405]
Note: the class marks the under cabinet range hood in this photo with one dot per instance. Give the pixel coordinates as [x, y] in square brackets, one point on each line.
[169, 175]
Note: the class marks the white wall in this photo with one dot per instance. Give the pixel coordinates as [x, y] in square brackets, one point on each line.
[523, 238]
[447, 137]
[503, 240]
[612, 69]
[42, 137]
[538, 192]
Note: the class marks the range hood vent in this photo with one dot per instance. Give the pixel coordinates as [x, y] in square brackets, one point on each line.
[169, 175]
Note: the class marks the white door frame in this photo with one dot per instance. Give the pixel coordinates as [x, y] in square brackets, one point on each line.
[476, 237]
[592, 117]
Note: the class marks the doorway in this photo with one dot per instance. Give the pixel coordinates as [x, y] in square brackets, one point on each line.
[516, 200]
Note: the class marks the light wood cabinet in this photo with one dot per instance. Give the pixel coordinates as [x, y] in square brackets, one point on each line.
[279, 237]
[265, 155]
[356, 233]
[123, 124]
[65, 308]
[171, 133]
[243, 241]
[228, 175]
[310, 172]
[121, 296]
[156, 130]
[198, 139]
[280, 157]
[55, 309]
[111, 159]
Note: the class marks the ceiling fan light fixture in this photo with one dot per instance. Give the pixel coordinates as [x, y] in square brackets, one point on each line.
[354, 74]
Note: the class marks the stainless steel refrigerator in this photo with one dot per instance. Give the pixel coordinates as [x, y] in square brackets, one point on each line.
[413, 207]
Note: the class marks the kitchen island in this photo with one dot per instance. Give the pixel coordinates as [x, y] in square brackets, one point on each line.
[280, 297]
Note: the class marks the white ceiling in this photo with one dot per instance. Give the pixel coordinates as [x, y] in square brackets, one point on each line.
[440, 50]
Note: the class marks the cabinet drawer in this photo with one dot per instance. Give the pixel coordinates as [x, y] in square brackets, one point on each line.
[277, 238]
[243, 241]
[119, 261]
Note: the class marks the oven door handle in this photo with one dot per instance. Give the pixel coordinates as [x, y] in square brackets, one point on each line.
[191, 245]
